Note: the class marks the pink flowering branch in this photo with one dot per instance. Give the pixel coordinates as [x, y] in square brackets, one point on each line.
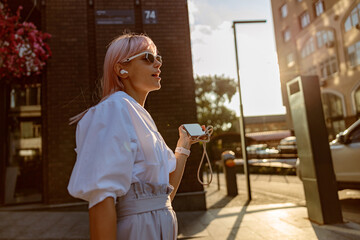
[23, 50]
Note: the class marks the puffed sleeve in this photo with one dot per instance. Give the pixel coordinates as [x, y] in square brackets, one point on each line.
[106, 148]
[171, 160]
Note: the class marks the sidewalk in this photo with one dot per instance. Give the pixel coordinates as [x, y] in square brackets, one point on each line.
[227, 218]
[260, 222]
[267, 217]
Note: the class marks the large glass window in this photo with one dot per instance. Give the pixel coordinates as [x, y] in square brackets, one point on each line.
[304, 19]
[354, 54]
[24, 164]
[284, 11]
[308, 48]
[319, 7]
[353, 19]
[334, 114]
[325, 38]
[328, 67]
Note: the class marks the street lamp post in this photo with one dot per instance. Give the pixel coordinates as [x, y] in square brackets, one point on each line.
[241, 119]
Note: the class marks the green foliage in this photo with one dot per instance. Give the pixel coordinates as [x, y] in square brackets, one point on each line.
[212, 92]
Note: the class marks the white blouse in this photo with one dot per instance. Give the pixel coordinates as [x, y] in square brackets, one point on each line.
[117, 143]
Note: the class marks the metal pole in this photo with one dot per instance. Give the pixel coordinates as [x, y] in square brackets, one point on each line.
[241, 119]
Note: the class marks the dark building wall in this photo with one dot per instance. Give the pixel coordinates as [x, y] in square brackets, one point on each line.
[64, 90]
[79, 46]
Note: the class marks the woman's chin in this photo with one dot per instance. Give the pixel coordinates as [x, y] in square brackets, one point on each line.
[155, 88]
[158, 86]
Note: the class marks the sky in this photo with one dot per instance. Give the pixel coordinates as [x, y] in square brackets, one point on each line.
[213, 50]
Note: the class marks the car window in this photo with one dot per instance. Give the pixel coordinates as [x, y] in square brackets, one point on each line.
[355, 135]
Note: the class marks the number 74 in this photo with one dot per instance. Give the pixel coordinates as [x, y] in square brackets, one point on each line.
[150, 14]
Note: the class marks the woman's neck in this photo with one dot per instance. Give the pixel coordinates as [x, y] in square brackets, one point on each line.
[138, 96]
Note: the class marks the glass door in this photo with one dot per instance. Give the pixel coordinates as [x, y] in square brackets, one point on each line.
[24, 171]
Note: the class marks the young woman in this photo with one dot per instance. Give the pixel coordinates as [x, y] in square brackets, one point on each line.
[124, 168]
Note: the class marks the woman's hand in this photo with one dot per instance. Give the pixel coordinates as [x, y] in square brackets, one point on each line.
[185, 140]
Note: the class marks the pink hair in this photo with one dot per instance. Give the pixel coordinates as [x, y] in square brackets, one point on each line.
[119, 50]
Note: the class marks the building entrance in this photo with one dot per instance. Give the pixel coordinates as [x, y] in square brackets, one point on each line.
[23, 164]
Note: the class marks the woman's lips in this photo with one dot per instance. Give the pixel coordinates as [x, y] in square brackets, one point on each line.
[156, 75]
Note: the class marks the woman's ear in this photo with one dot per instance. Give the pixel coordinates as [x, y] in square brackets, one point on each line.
[120, 71]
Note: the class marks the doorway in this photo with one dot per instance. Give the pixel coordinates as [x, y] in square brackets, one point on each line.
[23, 165]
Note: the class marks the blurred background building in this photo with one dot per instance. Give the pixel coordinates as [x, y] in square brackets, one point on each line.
[37, 144]
[265, 123]
[268, 129]
[322, 37]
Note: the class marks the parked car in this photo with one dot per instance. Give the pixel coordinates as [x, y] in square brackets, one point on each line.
[254, 149]
[268, 153]
[288, 145]
[345, 152]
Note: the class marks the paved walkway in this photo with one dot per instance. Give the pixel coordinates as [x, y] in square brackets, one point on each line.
[225, 219]
[260, 222]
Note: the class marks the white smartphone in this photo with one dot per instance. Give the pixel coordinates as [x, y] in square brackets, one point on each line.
[194, 129]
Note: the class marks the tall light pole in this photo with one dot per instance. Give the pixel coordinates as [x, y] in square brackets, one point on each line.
[241, 119]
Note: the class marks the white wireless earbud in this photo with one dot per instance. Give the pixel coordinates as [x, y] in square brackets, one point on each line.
[122, 71]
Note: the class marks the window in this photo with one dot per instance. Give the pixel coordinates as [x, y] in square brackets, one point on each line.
[284, 11]
[25, 96]
[319, 7]
[354, 54]
[290, 60]
[325, 37]
[328, 68]
[353, 18]
[287, 35]
[30, 129]
[304, 19]
[308, 48]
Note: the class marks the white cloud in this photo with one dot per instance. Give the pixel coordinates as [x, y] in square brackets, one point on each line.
[205, 30]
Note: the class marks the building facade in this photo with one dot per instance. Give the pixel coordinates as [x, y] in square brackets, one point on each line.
[37, 144]
[321, 37]
[265, 123]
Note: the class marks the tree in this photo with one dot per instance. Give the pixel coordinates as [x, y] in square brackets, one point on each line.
[23, 50]
[212, 92]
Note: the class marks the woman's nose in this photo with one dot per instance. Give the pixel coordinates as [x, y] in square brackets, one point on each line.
[157, 63]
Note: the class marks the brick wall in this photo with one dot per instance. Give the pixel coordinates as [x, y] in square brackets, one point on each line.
[65, 91]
